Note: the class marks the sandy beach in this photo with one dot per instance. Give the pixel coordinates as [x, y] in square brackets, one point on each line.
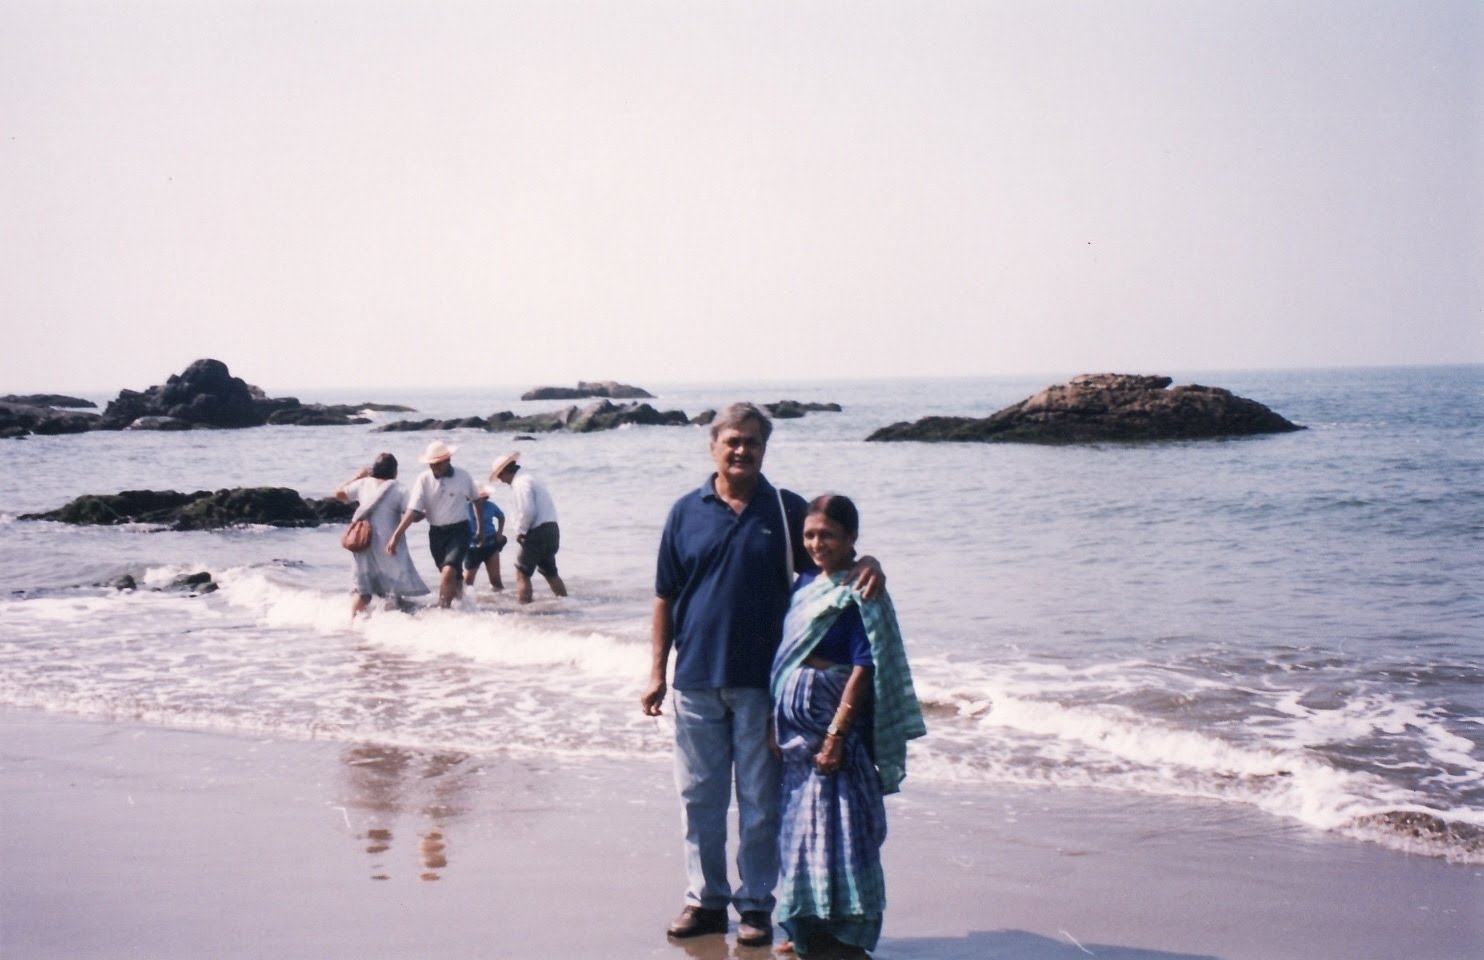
[129, 841]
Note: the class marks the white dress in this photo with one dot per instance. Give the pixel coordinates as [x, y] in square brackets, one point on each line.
[376, 573]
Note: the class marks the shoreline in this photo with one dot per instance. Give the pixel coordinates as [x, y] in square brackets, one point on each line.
[122, 840]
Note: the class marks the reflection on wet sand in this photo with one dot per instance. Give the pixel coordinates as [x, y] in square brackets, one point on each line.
[384, 784]
[718, 947]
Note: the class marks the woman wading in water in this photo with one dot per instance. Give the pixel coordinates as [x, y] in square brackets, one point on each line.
[382, 501]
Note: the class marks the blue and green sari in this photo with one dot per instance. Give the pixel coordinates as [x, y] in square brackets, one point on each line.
[831, 885]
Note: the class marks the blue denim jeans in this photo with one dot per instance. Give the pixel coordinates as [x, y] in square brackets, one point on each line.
[717, 731]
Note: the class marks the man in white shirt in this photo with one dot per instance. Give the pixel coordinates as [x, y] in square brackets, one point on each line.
[442, 493]
[535, 528]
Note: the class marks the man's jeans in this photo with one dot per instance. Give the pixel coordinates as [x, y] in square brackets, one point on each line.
[715, 730]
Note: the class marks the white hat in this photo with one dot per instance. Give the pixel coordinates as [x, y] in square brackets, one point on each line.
[437, 450]
[502, 463]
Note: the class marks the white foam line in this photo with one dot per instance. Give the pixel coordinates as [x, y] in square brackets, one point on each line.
[1076, 944]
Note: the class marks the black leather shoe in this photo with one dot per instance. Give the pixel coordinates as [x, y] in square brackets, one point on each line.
[698, 921]
[756, 928]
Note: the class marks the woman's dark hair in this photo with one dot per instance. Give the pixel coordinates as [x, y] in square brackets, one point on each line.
[384, 467]
[840, 509]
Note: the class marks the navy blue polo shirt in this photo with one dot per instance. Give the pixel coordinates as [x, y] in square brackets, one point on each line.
[727, 577]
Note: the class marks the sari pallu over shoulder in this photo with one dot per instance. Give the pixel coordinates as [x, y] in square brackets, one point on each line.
[814, 608]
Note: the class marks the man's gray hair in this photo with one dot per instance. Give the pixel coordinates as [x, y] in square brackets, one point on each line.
[733, 415]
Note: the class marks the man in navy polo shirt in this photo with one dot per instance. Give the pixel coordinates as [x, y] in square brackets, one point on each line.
[722, 587]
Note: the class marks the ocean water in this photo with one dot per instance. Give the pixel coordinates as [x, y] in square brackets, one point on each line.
[1293, 624]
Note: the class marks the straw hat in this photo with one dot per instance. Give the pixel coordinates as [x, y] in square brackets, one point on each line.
[501, 464]
[437, 450]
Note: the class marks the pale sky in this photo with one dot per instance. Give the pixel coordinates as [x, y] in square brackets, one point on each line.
[377, 194]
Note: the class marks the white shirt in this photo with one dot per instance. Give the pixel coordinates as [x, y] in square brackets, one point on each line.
[533, 505]
[443, 499]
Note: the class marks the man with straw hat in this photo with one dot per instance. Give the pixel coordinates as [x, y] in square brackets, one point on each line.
[535, 528]
[442, 494]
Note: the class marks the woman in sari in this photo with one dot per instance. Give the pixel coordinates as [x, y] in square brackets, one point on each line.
[382, 500]
[843, 711]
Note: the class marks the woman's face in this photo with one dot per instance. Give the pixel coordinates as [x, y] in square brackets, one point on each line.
[827, 542]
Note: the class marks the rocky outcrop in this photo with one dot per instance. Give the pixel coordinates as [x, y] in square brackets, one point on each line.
[599, 415]
[192, 584]
[458, 423]
[782, 410]
[201, 510]
[375, 407]
[1105, 407]
[288, 411]
[49, 400]
[793, 409]
[22, 419]
[604, 415]
[606, 389]
[1453, 838]
[317, 415]
[206, 395]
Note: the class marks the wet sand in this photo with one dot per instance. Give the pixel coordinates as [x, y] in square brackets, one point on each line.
[123, 841]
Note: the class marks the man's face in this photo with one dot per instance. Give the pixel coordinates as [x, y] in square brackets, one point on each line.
[441, 468]
[738, 452]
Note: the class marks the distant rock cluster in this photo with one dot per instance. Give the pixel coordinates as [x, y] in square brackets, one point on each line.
[598, 415]
[782, 410]
[1089, 409]
[204, 395]
[22, 419]
[606, 389]
[1104, 407]
[49, 400]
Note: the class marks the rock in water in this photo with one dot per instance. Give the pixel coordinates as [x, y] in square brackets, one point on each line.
[1102, 407]
[193, 583]
[130, 506]
[21, 419]
[607, 389]
[201, 510]
[793, 409]
[603, 415]
[317, 415]
[271, 506]
[49, 400]
[598, 415]
[782, 410]
[205, 394]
